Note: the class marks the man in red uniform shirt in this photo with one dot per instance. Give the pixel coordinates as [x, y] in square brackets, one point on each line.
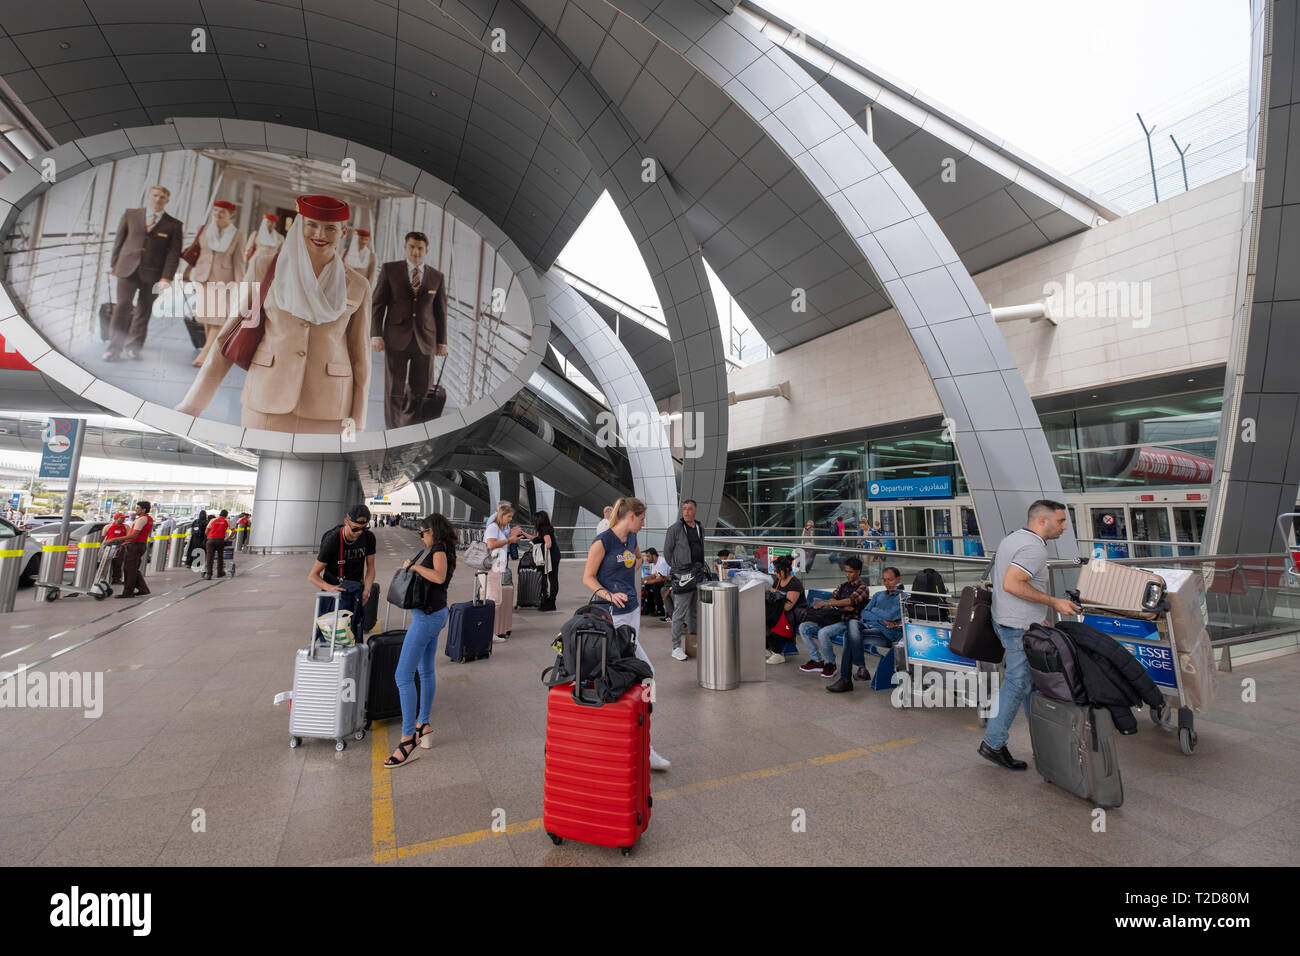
[137, 539]
[216, 542]
[114, 532]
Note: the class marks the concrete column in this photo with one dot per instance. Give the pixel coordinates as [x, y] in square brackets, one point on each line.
[296, 500]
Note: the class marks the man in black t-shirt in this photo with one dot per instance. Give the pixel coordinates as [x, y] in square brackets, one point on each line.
[347, 553]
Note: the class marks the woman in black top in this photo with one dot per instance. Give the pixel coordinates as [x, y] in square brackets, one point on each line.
[550, 566]
[791, 590]
[436, 565]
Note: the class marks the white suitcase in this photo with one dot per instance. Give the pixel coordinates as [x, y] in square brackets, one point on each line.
[330, 684]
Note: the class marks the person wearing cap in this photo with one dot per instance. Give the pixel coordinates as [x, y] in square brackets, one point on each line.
[311, 370]
[116, 531]
[215, 270]
[146, 252]
[265, 243]
[409, 325]
[361, 258]
[346, 563]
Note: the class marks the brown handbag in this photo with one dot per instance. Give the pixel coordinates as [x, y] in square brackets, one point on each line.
[242, 341]
[191, 255]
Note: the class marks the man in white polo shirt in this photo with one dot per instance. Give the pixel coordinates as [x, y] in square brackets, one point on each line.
[1020, 592]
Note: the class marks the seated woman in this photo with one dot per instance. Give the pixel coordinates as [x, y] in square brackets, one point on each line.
[788, 590]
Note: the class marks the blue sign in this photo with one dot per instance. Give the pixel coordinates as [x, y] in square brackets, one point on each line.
[15, 499]
[897, 489]
[1156, 659]
[929, 644]
[59, 437]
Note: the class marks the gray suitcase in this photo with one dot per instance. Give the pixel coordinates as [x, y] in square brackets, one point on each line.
[330, 685]
[1074, 748]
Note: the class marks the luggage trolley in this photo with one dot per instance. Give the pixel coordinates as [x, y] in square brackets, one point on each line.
[924, 649]
[1292, 571]
[100, 586]
[1157, 654]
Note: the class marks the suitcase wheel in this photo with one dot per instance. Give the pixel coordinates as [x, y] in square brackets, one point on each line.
[1186, 740]
[555, 839]
[340, 745]
[360, 734]
[294, 742]
[625, 850]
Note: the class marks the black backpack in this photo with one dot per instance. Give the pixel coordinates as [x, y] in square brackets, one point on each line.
[929, 606]
[598, 657]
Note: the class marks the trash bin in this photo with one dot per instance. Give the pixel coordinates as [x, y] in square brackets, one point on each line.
[88, 550]
[718, 657]
[11, 569]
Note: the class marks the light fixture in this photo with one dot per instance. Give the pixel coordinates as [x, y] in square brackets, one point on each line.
[261, 44]
[65, 45]
[433, 92]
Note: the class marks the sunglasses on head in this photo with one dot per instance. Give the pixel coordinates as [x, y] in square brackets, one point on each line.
[358, 524]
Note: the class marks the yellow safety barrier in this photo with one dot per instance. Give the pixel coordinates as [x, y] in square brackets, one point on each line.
[54, 547]
[11, 554]
[88, 544]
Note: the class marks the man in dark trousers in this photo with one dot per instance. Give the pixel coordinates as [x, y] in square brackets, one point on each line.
[408, 323]
[215, 544]
[137, 540]
[347, 554]
[146, 252]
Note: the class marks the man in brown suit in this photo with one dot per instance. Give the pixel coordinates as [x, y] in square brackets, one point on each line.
[408, 323]
[146, 252]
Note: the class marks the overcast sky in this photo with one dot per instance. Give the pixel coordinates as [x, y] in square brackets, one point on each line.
[1060, 81]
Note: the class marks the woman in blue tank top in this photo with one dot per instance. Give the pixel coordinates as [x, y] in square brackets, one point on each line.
[613, 573]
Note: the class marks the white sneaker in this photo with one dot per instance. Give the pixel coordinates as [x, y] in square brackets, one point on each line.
[657, 762]
[498, 639]
[776, 658]
[679, 654]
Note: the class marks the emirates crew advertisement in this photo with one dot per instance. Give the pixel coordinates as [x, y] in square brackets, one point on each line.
[268, 292]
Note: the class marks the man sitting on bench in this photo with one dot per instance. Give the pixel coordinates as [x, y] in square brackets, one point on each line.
[879, 624]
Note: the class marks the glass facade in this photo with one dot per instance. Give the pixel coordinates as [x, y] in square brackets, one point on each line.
[1162, 442]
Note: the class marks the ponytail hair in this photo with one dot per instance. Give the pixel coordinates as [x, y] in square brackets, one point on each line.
[626, 506]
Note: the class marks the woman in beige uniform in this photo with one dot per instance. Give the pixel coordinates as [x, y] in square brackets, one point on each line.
[311, 371]
[262, 245]
[361, 258]
[214, 272]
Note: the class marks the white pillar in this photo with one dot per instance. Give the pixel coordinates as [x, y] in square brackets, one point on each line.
[297, 500]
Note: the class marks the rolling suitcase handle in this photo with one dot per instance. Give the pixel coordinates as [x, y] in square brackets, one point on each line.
[577, 677]
[311, 648]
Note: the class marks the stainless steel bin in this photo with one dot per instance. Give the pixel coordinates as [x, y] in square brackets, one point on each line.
[11, 568]
[718, 657]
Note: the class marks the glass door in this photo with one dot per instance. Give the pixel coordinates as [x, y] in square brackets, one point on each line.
[970, 528]
[913, 530]
[1189, 525]
[939, 527]
[1151, 525]
[891, 522]
[1109, 532]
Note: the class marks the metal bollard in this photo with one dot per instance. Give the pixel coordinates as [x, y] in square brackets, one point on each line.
[54, 559]
[88, 551]
[158, 557]
[11, 569]
[175, 548]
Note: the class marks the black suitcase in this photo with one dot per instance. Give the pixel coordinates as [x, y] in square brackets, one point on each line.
[469, 630]
[106, 320]
[383, 701]
[198, 335]
[1074, 748]
[436, 399]
[972, 630]
[528, 589]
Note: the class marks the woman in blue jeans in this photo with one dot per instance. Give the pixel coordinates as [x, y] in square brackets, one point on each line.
[436, 565]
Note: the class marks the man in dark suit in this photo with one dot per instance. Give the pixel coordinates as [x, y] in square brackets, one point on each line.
[408, 323]
[145, 255]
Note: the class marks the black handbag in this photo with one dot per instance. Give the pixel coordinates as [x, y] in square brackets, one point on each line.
[409, 590]
[686, 581]
[972, 634]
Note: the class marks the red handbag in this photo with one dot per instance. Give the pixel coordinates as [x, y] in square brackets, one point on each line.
[191, 255]
[782, 628]
[242, 340]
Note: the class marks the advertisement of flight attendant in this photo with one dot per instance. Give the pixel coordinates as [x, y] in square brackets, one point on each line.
[269, 295]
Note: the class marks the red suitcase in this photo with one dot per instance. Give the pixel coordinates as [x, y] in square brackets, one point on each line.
[597, 787]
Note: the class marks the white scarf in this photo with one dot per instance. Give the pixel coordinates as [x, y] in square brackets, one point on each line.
[266, 236]
[297, 289]
[218, 240]
[359, 259]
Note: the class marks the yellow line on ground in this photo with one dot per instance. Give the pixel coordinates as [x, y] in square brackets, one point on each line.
[383, 824]
[382, 799]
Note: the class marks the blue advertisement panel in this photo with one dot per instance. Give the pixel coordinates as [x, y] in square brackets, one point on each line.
[898, 489]
[1157, 660]
[929, 644]
[56, 456]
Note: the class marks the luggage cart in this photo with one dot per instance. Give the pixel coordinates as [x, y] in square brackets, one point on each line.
[924, 650]
[99, 587]
[1283, 520]
[1158, 656]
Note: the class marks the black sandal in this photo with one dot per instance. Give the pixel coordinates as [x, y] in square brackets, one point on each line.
[423, 731]
[405, 748]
